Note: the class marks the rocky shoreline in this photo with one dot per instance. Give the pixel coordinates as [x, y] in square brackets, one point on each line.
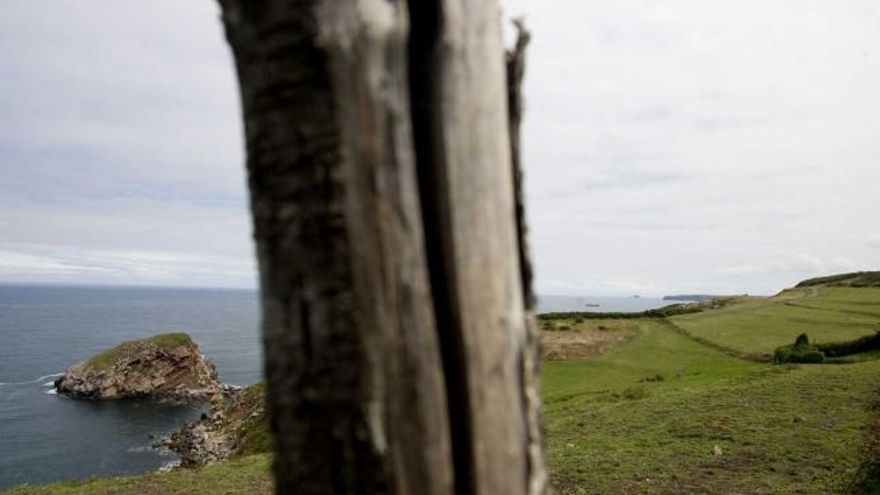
[236, 425]
[170, 368]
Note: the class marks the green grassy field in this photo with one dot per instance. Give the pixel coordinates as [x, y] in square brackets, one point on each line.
[664, 413]
[826, 314]
[244, 476]
[863, 302]
[614, 427]
[657, 350]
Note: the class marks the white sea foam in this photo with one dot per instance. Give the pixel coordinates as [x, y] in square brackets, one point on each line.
[52, 391]
[168, 466]
[49, 384]
[29, 382]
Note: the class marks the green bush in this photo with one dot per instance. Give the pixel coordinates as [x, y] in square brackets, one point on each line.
[839, 349]
[802, 351]
[791, 354]
[799, 352]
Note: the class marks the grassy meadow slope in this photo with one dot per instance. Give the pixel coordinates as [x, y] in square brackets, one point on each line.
[854, 279]
[826, 314]
[647, 418]
[243, 476]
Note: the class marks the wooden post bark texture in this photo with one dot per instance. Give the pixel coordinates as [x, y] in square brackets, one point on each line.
[516, 67]
[398, 352]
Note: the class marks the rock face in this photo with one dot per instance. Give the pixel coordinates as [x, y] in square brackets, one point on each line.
[164, 367]
[236, 425]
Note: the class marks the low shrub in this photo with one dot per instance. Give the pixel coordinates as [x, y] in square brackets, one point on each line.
[805, 355]
[839, 349]
[653, 378]
[799, 352]
[802, 351]
[632, 393]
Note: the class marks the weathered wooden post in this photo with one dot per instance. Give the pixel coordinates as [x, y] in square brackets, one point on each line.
[398, 353]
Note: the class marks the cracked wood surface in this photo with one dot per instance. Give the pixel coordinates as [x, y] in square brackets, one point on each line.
[399, 353]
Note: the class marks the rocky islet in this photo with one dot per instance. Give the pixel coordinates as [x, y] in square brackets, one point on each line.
[168, 367]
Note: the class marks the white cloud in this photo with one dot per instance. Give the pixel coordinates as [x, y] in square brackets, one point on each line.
[15, 263]
[121, 146]
[765, 127]
[70, 264]
[742, 270]
[801, 263]
[662, 140]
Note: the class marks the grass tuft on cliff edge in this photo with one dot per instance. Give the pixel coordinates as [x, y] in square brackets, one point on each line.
[240, 476]
[253, 436]
[165, 341]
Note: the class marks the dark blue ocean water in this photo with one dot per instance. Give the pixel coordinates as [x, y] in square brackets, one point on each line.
[45, 437]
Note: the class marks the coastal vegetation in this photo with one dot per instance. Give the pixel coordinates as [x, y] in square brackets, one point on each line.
[674, 405]
[692, 404]
[165, 341]
[242, 476]
[854, 279]
[251, 434]
[712, 424]
[802, 351]
[664, 312]
[691, 297]
[235, 426]
[826, 314]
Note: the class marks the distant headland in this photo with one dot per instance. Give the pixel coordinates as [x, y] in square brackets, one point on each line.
[691, 297]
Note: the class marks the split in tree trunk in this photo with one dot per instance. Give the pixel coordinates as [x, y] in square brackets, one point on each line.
[399, 353]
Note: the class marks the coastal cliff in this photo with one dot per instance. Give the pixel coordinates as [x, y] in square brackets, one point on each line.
[165, 367]
[237, 425]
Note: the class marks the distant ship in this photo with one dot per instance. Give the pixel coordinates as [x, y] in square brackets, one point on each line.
[591, 305]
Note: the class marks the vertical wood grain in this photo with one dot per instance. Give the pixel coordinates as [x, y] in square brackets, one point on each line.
[459, 96]
[398, 335]
[356, 393]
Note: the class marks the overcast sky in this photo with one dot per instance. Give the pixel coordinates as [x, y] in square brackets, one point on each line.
[676, 146]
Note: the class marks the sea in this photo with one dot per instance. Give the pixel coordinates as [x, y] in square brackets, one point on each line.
[45, 437]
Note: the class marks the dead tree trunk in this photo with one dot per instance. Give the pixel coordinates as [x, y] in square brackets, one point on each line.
[398, 353]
